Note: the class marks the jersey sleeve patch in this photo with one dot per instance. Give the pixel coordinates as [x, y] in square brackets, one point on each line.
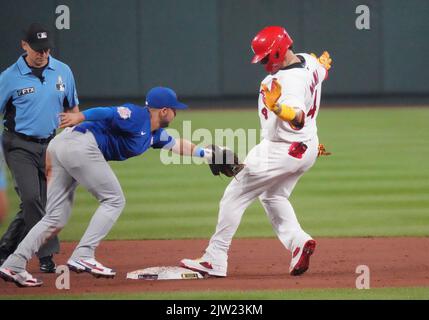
[124, 112]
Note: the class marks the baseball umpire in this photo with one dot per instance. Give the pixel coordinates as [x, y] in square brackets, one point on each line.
[79, 156]
[33, 91]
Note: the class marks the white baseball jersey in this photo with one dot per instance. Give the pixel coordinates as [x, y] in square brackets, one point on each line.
[301, 88]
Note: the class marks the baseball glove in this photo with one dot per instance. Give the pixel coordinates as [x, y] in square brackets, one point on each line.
[322, 151]
[324, 59]
[224, 161]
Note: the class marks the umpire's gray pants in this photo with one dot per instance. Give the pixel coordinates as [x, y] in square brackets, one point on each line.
[76, 159]
[26, 161]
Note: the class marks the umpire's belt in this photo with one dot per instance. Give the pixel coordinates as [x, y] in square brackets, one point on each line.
[31, 138]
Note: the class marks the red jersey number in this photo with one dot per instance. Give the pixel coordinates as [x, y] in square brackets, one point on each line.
[264, 112]
[313, 109]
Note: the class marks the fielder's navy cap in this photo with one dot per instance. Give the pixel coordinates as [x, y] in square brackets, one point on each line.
[38, 37]
[161, 97]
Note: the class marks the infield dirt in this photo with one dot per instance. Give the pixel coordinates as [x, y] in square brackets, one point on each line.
[254, 264]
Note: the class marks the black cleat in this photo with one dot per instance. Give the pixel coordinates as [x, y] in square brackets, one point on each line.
[47, 265]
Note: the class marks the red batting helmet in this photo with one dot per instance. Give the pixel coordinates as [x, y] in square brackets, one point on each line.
[271, 43]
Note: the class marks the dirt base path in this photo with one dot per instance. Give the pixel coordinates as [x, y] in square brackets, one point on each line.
[255, 264]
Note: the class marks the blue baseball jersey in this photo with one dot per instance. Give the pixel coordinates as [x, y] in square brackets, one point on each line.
[31, 105]
[125, 132]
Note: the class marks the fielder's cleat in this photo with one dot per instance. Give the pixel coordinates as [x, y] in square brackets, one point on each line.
[204, 267]
[47, 265]
[91, 266]
[301, 258]
[21, 279]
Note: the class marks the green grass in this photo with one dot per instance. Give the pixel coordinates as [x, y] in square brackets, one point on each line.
[417, 293]
[376, 183]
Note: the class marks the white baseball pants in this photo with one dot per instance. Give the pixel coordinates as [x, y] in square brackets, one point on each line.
[270, 174]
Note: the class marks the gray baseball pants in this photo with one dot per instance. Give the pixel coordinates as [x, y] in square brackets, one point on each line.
[76, 159]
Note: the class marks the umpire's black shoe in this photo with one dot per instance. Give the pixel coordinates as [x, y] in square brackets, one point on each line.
[47, 265]
[3, 256]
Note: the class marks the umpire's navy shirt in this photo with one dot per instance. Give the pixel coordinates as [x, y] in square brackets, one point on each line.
[31, 105]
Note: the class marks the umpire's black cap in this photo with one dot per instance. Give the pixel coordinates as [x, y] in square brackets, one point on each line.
[38, 37]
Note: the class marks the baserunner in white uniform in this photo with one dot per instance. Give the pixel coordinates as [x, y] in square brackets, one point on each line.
[290, 146]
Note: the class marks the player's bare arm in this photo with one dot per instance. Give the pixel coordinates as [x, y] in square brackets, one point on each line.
[70, 119]
[75, 109]
[184, 147]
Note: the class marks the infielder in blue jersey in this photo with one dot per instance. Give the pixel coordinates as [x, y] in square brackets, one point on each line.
[79, 155]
